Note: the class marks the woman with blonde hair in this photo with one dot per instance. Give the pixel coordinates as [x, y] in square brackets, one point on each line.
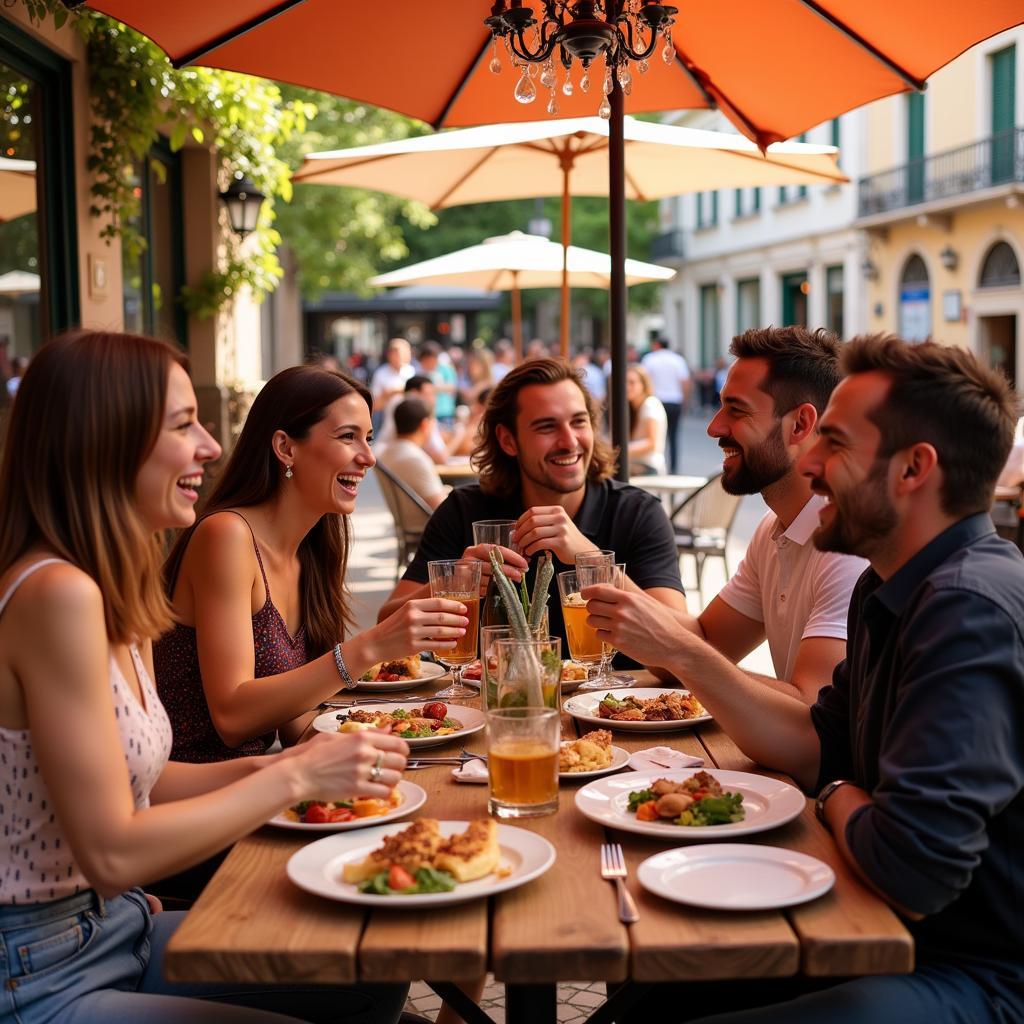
[648, 424]
[93, 808]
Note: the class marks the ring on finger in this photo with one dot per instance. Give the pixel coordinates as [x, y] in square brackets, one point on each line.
[376, 769]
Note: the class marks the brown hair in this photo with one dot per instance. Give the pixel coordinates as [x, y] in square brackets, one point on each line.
[293, 401]
[647, 389]
[499, 472]
[942, 395]
[803, 365]
[88, 412]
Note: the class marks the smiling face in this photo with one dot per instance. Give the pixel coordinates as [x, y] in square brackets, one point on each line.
[554, 438]
[329, 464]
[844, 467]
[748, 431]
[168, 482]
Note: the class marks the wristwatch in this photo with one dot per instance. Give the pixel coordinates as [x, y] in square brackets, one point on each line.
[826, 791]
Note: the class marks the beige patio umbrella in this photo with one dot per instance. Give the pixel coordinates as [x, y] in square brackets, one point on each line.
[17, 188]
[516, 261]
[566, 158]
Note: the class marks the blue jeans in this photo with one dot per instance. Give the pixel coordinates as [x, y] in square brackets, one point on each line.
[86, 960]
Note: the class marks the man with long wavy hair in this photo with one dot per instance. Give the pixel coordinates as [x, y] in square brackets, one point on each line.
[543, 463]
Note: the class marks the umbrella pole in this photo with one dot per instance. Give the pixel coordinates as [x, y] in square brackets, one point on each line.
[617, 291]
[566, 235]
[517, 319]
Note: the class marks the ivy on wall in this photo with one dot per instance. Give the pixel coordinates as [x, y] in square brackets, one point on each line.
[136, 94]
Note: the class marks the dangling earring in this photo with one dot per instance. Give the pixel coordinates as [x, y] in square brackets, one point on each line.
[288, 472]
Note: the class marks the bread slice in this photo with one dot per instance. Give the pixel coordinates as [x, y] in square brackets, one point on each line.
[471, 854]
[412, 848]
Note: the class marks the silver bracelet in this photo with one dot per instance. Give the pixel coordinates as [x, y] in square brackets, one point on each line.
[339, 661]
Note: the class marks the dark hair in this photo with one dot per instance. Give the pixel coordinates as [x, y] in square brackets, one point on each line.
[943, 396]
[293, 400]
[409, 414]
[416, 382]
[803, 365]
[430, 348]
[69, 473]
[499, 472]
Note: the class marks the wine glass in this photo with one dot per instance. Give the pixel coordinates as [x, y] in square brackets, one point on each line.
[458, 579]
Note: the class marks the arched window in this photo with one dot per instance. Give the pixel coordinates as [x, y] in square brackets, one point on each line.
[915, 300]
[1000, 268]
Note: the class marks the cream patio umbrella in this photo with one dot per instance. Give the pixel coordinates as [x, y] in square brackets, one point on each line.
[566, 158]
[515, 261]
[17, 188]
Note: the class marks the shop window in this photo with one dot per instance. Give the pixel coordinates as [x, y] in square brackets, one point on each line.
[748, 304]
[1000, 268]
[834, 299]
[915, 301]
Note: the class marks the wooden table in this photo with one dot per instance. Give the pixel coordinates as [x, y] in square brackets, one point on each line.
[252, 925]
[456, 473]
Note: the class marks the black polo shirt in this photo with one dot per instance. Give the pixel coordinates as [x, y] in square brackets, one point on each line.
[927, 715]
[614, 516]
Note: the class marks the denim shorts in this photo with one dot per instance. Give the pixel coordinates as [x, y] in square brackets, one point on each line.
[87, 960]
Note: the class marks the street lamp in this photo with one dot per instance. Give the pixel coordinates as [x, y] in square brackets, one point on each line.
[243, 200]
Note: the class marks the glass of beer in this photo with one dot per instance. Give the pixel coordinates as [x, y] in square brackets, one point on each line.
[614, 574]
[584, 643]
[458, 580]
[522, 761]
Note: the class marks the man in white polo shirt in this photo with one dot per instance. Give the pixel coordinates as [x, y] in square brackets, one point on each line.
[784, 590]
[670, 378]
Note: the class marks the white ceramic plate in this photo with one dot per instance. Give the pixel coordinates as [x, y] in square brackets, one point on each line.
[583, 706]
[568, 685]
[768, 803]
[428, 670]
[318, 867]
[415, 797]
[471, 719]
[736, 876]
[620, 758]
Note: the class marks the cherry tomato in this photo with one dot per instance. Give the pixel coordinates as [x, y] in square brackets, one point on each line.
[399, 878]
[435, 709]
[316, 814]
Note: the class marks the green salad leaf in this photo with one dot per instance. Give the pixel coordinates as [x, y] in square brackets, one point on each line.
[640, 796]
[427, 880]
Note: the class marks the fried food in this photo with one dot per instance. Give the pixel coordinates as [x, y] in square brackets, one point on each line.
[411, 849]
[471, 854]
[589, 753]
[674, 706]
[394, 670]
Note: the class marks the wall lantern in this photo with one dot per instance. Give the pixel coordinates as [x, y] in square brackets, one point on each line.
[869, 269]
[949, 258]
[243, 200]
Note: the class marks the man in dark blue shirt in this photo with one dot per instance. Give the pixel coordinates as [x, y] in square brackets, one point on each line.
[916, 750]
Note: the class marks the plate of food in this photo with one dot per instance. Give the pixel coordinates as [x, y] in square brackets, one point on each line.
[420, 724]
[399, 674]
[640, 709]
[684, 804]
[357, 812]
[736, 876]
[573, 673]
[589, 756]
[428, 863]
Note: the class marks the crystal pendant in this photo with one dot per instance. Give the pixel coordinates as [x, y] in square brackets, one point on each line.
[605, 110]
[643, 67]
[607, 84]
[585, 82]
[668, 53]
[495, 66]
[526, 91]
[567, 87]
[552, 103]
[547, 75]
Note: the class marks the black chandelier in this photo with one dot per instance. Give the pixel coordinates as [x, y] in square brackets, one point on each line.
[623, 31]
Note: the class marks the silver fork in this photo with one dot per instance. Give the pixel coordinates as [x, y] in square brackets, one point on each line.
[613, 869]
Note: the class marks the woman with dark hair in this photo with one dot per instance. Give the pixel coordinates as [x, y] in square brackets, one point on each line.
[92, 808]
[258, 584]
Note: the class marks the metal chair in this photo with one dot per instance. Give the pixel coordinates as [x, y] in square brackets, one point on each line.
[702, 523]
[405, 506]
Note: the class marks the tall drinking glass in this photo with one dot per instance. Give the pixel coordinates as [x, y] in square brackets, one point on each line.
[584, 643]
[458, 580]
[602, 557]
[529, 672]
[493, 532]
[615, 575]
[489, 637]
[522, 761]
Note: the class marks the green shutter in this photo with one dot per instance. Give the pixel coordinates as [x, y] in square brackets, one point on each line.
[738, 201]
[714, 208]
[1004, 114]
[699, 200]
[757, 198]
[915, 147]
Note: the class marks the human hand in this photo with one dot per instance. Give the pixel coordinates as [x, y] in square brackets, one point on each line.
[434, 623]
[155, 906]
[514, 563]
[333, 766]
[549, 528]
[636, 624]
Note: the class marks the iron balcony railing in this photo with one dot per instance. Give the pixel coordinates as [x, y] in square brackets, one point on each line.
[997, 160]
[667, 246]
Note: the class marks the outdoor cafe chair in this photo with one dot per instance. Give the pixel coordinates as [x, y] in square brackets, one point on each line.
[409, 513]
[702, 523]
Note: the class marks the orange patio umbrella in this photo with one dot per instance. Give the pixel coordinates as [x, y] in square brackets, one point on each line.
[774, 67]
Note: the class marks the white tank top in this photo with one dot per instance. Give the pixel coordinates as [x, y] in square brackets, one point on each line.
[36, 864]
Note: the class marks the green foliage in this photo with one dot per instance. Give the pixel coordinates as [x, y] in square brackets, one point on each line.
[135, 94]
[342, 236]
